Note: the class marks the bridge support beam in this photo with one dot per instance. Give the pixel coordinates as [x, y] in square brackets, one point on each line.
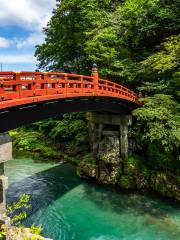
[5, 155]
[109, 143]
[101, 124]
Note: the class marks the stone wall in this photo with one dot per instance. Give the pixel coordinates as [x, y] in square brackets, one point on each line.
[5, 148]
[5, 155]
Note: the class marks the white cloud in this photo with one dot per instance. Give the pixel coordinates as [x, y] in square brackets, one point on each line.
[31, 41]
[16, 59]
[30, 14]
[4, 42]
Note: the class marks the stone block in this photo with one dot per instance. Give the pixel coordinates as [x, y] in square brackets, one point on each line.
[3, 188]
[5, 148]
[110, 119]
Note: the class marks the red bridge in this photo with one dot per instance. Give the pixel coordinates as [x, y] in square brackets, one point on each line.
[27, 97]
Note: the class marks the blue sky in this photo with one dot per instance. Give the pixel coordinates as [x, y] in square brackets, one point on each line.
[21, 24]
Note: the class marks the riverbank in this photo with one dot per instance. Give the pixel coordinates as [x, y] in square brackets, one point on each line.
[107, 167]
[131, 175]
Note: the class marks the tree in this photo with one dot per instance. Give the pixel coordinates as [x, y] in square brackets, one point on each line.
[161, 69]
[158, 130]
[130, 35]
[66, 35]
[158, 122]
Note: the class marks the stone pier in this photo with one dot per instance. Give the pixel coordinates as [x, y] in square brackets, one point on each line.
[5, 155]
[105, 126]
[108, 135]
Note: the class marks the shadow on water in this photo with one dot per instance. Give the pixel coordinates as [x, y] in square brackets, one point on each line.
[49, 185]
[163, 214]
[121, 201]
[45, 187]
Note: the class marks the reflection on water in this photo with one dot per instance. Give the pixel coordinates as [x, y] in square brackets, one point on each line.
[69, 208]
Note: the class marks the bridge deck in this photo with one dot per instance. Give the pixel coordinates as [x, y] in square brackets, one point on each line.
[30, 87]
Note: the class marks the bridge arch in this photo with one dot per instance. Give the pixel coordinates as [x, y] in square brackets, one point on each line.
[27, 97]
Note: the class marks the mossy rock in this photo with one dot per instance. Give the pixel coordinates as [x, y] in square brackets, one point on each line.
[109, 173]
[86, 170]
[167, 184]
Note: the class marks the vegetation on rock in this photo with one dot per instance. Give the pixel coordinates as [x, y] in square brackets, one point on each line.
[14, 229]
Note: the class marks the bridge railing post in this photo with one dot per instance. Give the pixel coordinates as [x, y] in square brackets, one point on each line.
[66, 84]
[82, 87]
[44, 85]
[18, 80]
[95, 78]
[1, 88]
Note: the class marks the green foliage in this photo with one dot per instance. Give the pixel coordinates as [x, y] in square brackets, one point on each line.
[130, 34]
[72, 126]
[175, 85]
[66, 34]
[18, 209]
[167, 59]
[89, 159]
[166, 184]
[27, 141]
[158, 123]
[160, 159]
[134, 159]
[18, 212]
[34, 142]
[2, 231]
[36, 229]
[68, 132]
[127, 182]
[145, 19]
[57, 138]
[161, 68]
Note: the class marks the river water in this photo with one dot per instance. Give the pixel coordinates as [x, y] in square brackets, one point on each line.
[69, 208]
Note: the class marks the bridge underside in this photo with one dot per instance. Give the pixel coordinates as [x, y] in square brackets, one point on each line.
[18, 116]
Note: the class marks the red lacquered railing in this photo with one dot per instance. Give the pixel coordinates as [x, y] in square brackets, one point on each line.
[29, 87]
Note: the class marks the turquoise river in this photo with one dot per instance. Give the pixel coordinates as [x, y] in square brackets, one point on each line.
[69, 208]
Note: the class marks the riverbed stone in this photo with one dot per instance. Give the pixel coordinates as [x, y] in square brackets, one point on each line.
[108, 173]
[167, 184]
[109, 149]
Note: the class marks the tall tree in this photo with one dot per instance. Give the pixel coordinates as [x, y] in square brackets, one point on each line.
[132, 33]
[66, 34]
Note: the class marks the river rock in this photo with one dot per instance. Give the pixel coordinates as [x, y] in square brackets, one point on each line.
[15, 233]
[108, 173]
[87, 170]
[167, 184]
